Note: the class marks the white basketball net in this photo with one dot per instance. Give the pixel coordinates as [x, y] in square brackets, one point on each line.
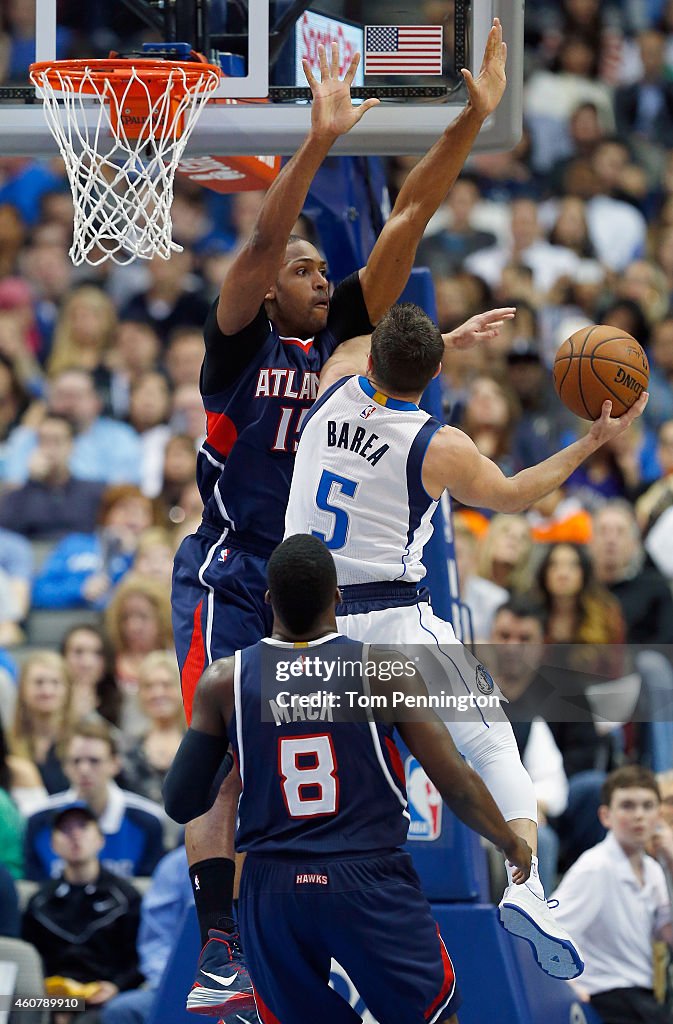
[122, 187]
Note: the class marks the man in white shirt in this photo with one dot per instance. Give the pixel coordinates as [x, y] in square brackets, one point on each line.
[616, 902]
[526, 245]
[131, 826]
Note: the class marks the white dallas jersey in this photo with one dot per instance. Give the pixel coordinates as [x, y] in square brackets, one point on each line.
[357, 483]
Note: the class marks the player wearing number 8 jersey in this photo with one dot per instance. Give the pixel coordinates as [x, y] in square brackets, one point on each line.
[323, 813]
[370, 469]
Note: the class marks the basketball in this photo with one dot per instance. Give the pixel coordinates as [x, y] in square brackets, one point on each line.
[598, 363]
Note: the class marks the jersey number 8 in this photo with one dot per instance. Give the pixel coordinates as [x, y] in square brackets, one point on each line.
[307, 767]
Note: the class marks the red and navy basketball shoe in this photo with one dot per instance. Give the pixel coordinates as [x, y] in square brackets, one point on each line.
[222, 987]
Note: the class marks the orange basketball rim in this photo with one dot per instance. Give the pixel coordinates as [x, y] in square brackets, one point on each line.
[146, 97]
[121, 127]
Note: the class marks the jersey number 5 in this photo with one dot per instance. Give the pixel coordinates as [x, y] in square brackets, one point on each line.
[330, 487]
[307, 767]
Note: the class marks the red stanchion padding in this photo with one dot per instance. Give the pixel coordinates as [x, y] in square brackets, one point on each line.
[231, 173]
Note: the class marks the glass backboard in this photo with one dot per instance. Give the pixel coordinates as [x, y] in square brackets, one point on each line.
[412, 54]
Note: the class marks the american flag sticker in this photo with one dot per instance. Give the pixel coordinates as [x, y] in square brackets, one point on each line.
[403, 49]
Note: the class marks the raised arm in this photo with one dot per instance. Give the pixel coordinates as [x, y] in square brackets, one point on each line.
[426, 186]
[190, 779]
[454, 463]
[351, 356]
[480, 327]
[256, 265]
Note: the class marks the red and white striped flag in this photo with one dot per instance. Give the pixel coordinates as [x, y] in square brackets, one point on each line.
[403, 49]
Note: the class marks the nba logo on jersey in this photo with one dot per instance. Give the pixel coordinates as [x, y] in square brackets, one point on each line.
[367, 412]
[425, 803]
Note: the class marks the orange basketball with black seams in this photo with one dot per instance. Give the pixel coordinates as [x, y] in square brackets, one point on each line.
[598, 363]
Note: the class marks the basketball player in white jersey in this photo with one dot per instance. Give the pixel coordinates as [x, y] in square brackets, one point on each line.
[369, 472]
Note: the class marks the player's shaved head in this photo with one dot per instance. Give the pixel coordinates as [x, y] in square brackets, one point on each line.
[302, 582]
[407, 348]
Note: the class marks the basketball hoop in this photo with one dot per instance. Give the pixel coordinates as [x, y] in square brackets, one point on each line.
[122, 127]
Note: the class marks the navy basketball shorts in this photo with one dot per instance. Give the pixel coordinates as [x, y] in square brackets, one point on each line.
[217, 605]
[369, 914]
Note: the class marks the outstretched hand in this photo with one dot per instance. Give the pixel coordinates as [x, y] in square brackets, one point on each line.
[486, 90]
[608, 427]
[481, 327]
[332, 112]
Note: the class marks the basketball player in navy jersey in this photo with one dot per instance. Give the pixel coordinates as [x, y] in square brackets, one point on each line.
[370, 470]
[323, 815]
[267, 338]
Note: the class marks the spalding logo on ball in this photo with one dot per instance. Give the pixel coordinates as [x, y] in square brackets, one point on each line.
[599, 363]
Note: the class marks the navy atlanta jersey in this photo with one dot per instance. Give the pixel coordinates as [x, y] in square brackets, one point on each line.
[312, 784]
[257, 387]
[358, 483]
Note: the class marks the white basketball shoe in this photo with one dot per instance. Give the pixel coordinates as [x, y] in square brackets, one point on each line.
[524, 913]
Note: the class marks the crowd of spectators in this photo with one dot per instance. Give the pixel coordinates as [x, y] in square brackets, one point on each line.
[101, 419]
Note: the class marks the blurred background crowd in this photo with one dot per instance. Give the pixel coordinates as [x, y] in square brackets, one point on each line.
[101, 419]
